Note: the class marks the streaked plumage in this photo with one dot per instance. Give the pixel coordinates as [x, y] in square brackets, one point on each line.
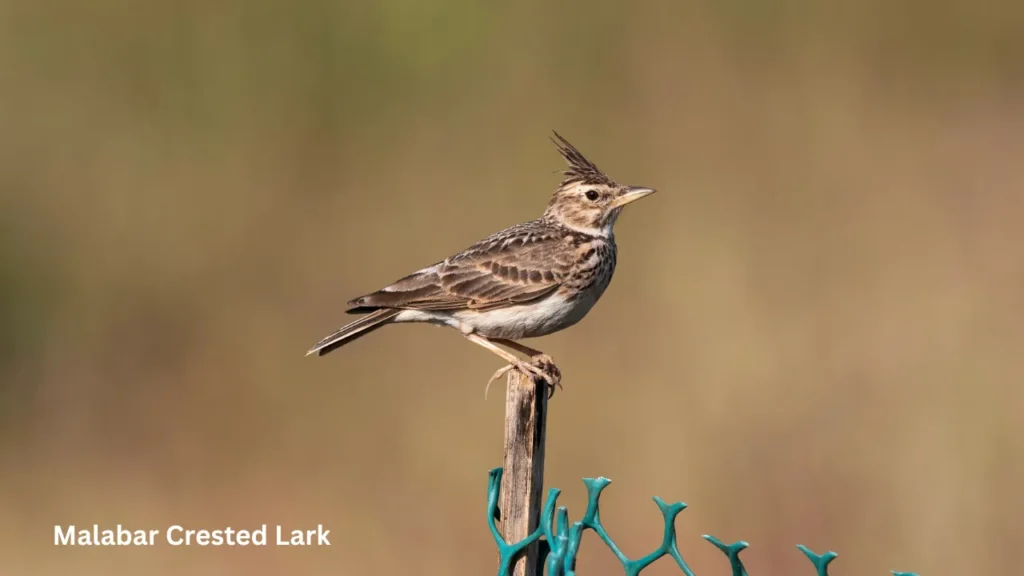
[526, 281]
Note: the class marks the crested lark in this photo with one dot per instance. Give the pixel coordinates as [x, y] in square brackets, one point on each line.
[526, 281]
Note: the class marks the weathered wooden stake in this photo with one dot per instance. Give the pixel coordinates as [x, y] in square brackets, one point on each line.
[522, 483]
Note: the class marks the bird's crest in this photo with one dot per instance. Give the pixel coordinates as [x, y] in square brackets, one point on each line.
[580, 169]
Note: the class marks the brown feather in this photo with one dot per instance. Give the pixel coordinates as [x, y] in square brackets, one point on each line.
[516, 265]
[580, 169]
[353, 330]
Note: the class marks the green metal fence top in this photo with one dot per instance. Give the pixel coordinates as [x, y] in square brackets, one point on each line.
[561, 542]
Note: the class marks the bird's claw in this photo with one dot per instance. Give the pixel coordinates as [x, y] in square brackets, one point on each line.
[498, 374]
[541, 366]
[547, 371]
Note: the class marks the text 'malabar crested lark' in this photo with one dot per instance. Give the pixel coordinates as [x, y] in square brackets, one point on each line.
[526, 281]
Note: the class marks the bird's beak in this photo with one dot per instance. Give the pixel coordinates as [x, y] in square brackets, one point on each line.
[630, 194]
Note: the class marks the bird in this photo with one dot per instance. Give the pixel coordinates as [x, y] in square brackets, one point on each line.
[526, 281]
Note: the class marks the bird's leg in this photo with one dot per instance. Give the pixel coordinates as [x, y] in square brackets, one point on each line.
[513, 361]
[486, 343]
[538, 359]
[531, 370]
[532, 353]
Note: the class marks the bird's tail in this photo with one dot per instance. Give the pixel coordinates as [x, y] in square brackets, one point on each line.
[354, 330]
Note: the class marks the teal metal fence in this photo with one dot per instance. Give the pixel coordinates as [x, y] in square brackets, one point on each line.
[560, 543]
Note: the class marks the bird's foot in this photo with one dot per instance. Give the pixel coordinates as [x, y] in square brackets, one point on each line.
[547, 372]
[541, 366]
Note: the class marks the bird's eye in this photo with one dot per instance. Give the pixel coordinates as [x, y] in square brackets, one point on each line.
[592, 195]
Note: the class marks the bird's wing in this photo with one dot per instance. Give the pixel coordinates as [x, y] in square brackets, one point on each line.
[511, 267]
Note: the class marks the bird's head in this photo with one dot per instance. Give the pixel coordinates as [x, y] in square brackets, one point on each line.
[588, 200]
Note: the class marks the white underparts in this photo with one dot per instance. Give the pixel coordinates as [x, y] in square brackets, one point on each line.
[538, 318]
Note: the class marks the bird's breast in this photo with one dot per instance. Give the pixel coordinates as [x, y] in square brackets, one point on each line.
[593, 269]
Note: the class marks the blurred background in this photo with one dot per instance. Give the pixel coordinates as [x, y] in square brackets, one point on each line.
[814, 334]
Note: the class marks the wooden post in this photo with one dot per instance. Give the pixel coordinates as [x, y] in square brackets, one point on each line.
[522, 482]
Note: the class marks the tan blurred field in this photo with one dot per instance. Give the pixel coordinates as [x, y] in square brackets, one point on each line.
[815, 334]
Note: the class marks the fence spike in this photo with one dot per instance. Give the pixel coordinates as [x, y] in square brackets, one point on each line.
[559, 541]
